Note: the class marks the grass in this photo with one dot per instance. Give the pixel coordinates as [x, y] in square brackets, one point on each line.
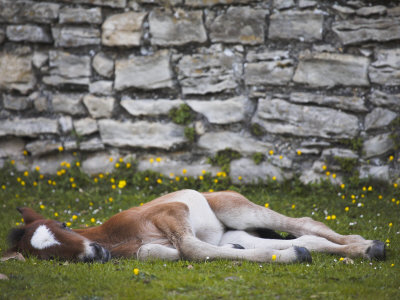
[370, 213]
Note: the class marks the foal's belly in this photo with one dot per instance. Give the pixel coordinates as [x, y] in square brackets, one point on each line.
[205, 224]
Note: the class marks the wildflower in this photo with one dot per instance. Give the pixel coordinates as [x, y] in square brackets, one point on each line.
[342, 186]
[346, 208]
[146, 179]
[101, 175]
[56, 214]
[71, 179]
[324, 167]
[41, 176]
[274, 178]
[333, 217]
[151, 160]
[343, 196]
[203, 172]
[111, 159]
[74, 153]
[68, 165]
[177, 178]
[25, 152]
[23, 183]
[91, 203]
[113, 186]
[380, 197]
[271, 152]
[328, 173]
[341, 259]
[393, 199]
[121, 159]
[13, 162]
[185, 178]
[42, 206]
[201, 177]
[293, 206]
[117, 165]
[141, 204]
[136, 271]
[92, 220]
[96, 180]
[391, 157]
[74, 217]
[364, 188]
[112, 180]
[54, 183]
[128, 165]
[395, 185]
[392, 265]
[328, 218]
[18, 179]
[216, 180]
[78, 164]
[370, 188]
[240, 177]
[390, 224]
[159, 180]
[68, 224]
[298, 152]
[211, 190]
[121, 184]
[362, 195]
[184, 171]
[37, 168]
[73, 185]
[266, 205]
[334, 176]
[49, 181]
[110, 199]
[280, 157]
[158, 159]
[3, 187]
[273, 257]
[61, 148]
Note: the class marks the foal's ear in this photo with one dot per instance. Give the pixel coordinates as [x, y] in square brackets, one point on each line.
[29, 215]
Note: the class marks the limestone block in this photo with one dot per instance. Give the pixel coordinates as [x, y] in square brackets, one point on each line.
[330, 69]
[99, 107]
[16, 103]
[380, 98]
[148, 107]
[101, 87]
[216, 141]
[50, 164]
[356, 104]
[67, 68]
[110, 3]
[307, 3]
[365, 30]
[283, 4]
[249, 172]
[103, 65]
[24, 11]
[141, 134]
[222, 111]
[41, 147]
[28, 33]
[269, 67]
[371, 10]
[28, 127]
[178, 28]
[11, 147]
[378, 145]
[304, 26]
[144, 72]
[378, 118]
[208, 3]
[332, 153]
[99, 163]
[85, 126]
[386, 69]
[94, 144]
[80, 15]
[309, 176]
[123, 29]
[65, 123]
[213, 72]
[68, 103]
[39, 59]
[375, 172]
[16, 72]
[280, 117]
[243, 25]
[67, 36]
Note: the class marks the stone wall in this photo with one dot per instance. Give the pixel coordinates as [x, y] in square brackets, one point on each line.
[310, 84]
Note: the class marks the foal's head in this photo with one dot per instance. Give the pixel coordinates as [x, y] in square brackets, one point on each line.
[48, 239]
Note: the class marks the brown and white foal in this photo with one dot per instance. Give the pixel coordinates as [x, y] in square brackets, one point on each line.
[193, 226]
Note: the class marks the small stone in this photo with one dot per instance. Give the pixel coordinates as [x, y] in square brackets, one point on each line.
[65, 124]
[28, 12]
[375, 172]
[12, 255]
[283, 4]
[80, 15]
[386, 69]
[11, 147]
[70, 146]
[103, 65]
[250, 173]
[68, 36]
[28, 127]
[380, 98]
[333, 153]
[68, 103]
[39, 59]
[148, 107]
[50, 164]
[307, 3]
[40, 103]
[378, 118]
[378, 145]
[101, 87]
[371, 10]
[94, 144]
[28, 33]
[16, 103]
[99, 107]
[85, 126]
[109, 3]
[41, 147]
[123, 29]
[99, 163]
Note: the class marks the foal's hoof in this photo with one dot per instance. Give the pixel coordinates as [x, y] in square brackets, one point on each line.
[376, 251]
[303, 255]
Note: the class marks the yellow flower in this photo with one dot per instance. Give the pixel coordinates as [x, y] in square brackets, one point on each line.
[110, 199]
[151, 160]
[342, 185]
[273, 257]
[393, 199]
[96, 180]
[23, 183]
[333, 217]
[395, 185]
[56, 214]
[61, 148]
[41, 176]
[78, 164]
[158, 159]
[215, 180]
[328, 173]
[346, 208]
[159, 180]
[49, 181]
[111, 159]
[68, 224]
[54, 183]
[274, 178]
[343, 196]
[13, 162]
[391, 157]
[128, 165]
[333, 176]
[364, 188]
[136, 271]
[293, 206]
[91, 203]
[146, 179]
[25, 152]
[390, 224]
[341, 259]
[392, 265]
[177, 178]
[203, 172]
[71, 179]
[35, 183]
[121, 159]
[240, 177]
[328, 217]
[201, 177]
[101, 175]
[37, 168]
[184, 171]
[92, 220]
[266, 205]
[121, 184]
[353, 197]
[271, 152]
[42, 206]
[113, 186]
[112, 180]
[211, 190]
[73, 185]
[380, 197]
[18, 179]
[74, 217]
[117, 165]
[370, 188]
[280, 157]
[298, 152]
[324, 167]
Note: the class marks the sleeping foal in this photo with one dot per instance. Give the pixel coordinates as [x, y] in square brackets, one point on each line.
[193, 226]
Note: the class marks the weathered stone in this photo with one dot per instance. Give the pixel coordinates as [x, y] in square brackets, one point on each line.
[16, 103]
[386, 69]
[67, 68]
[269, 67]
[16, 72]
[379, 117]
[280, 117]
[2, 36]
[378, 145]
[205, 3]
[41, 147]
[249, 172]
[380, 98]
[149, 107]
[356, 104]
[65, 124]
[310, 177]
[217, 141]
[222, 111]
[99, 107]
[141, 134]
[303, 26]
[177, 28]
[165, 3]
[333, 153]
[11, 147]
[343, 11]
[85, 126]
[39, 59]
[80, 15]
[329, 69]
[375, 172]
[307, 3]
[101, 87]
[123, 29]
[366, 30]
[210, 73]
[50, 164]
[172, 168]
[28, 33]
[393, 11]
[283, 4]
[281, 161]
[238, 25]
[144, 72]
[103, 65]
[27, 11]
[40, 103]
[94, 144]
[68, 103]
[75, 36]
[70, 145]
[371, 10]
[110, 3]
[28, 127]
[99, 163]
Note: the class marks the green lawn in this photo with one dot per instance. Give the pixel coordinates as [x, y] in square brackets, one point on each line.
[375, 214]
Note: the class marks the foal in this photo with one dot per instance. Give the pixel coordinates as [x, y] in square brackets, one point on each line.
[193, 226]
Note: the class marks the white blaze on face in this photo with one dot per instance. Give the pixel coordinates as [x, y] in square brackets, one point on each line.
[43, 238]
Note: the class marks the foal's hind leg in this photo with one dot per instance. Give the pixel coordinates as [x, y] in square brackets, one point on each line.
[237, 212]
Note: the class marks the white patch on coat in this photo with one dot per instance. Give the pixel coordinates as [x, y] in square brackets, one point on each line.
[88, 250]
[43, 238]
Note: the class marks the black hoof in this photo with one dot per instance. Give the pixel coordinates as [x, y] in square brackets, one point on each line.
[237, 246]
[303, 255]
[377, 251]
